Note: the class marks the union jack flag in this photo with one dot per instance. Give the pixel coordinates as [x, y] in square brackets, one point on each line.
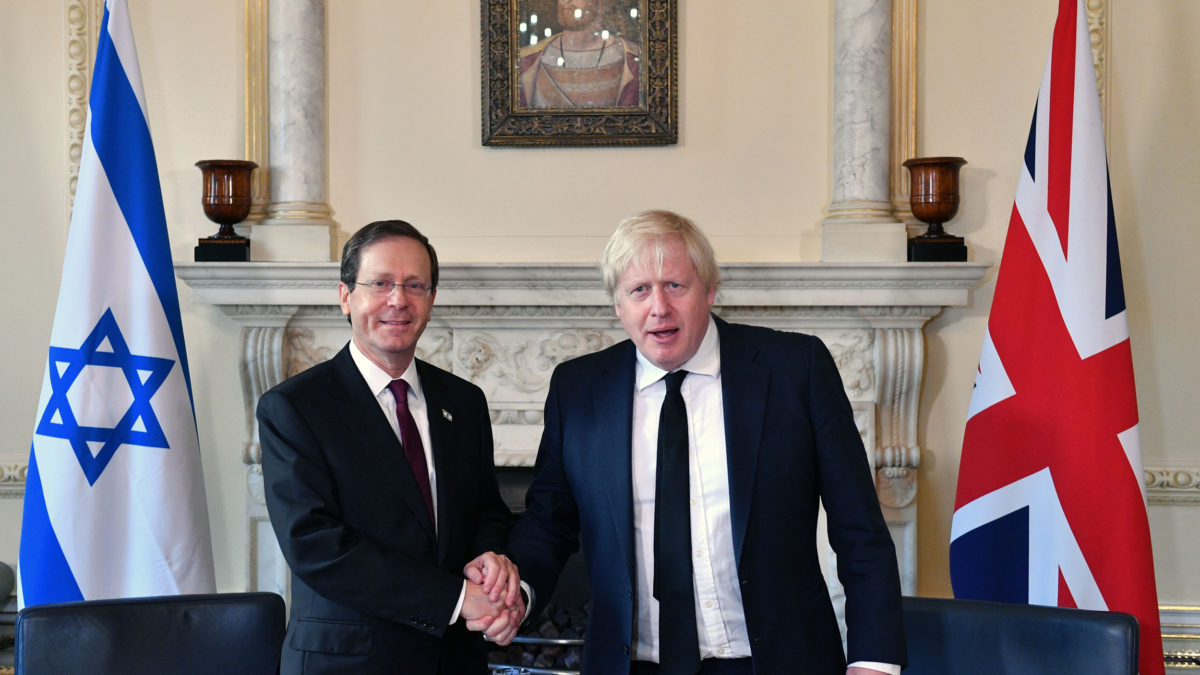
[1051, 505]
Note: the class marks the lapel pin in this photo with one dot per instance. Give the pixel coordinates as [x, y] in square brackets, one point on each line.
[447, 415]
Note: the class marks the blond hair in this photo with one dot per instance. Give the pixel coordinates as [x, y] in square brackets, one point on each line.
[648, 232]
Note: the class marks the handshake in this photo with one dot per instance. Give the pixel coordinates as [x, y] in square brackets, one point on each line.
[493, 604]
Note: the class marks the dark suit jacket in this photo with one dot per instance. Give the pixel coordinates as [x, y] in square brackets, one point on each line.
[373, 588]
[790, 439]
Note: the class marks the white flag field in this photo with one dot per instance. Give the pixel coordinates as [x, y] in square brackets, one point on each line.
[114, 502]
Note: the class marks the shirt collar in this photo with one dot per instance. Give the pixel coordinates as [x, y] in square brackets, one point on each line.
[706, 360]
[378, 379]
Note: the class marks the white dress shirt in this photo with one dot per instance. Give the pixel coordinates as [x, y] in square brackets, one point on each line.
[720, 617]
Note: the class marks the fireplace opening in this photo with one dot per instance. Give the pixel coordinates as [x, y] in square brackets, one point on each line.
[550, 643]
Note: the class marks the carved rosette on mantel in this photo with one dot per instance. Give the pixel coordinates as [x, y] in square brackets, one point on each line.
[505, 328]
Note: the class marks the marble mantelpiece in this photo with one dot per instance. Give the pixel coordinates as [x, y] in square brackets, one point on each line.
[505, 327]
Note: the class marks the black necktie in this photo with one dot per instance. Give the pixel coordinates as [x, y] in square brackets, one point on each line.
[679, 648]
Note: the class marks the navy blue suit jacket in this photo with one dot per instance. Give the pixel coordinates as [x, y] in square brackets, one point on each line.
[373, 588]
[790, 440]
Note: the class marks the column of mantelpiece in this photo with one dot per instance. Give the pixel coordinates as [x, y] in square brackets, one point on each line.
[299, 224]
[264, 363]
[900, 359]
[860, 226]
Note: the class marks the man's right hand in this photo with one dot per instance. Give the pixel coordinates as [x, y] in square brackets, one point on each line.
[498, 575]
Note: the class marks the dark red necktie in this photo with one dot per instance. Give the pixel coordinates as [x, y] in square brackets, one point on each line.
[411, 439]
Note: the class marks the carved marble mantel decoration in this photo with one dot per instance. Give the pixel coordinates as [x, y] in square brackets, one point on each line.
[506, 326]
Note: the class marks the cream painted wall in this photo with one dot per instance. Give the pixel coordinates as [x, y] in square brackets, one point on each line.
[33, 184]
[1156, 156]
[751, 167]
[751, 164]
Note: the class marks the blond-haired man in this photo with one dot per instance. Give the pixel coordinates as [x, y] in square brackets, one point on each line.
[690, 460]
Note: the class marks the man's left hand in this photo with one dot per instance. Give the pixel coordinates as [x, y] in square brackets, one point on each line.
[498, 575]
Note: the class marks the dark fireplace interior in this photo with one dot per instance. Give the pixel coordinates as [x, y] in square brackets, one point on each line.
[551, 643]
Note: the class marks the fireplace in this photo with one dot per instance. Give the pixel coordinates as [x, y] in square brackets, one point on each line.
[506, 326]
[551, 643]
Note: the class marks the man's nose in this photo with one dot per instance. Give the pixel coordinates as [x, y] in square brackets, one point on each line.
[397, 297]
[660, 304]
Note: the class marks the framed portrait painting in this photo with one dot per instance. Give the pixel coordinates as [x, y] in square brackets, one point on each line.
[579, 72]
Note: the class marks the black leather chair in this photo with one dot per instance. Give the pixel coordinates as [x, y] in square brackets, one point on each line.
[221, 634]
[947, 636]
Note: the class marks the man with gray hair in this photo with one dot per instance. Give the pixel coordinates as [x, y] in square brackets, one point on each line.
[690, 461]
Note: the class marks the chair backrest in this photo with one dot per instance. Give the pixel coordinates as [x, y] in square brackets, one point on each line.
[991, 638]
[223, 633]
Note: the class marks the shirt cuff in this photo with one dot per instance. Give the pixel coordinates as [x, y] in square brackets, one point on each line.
[529, 600]
[888, 668]
[462, 595]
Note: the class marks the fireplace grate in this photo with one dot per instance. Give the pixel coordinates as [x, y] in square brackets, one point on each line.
[538, 656]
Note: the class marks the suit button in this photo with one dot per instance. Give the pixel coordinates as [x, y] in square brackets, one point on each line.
[745, 582]
[625, 649]
[629, 594]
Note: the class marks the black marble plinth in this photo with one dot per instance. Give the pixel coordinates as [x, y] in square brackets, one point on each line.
[223, 249]
[943, 248]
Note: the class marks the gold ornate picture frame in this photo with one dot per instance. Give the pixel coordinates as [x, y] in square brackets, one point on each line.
[579, 72]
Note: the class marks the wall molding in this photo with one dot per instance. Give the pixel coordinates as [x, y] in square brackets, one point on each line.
[258, 107]
[1181, 637]
[1098, 32]
[12, 478]
[82, 27]
[1164, 486]
[1172, 486]
[904, 104]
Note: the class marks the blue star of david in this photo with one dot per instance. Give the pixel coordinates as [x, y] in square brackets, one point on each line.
[144, 374]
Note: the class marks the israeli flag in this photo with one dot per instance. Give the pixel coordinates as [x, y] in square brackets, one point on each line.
[114, 496]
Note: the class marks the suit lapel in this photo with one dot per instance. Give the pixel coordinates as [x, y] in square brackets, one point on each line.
[744, 382]
[441, 434]
[376, 440]
[612, 401]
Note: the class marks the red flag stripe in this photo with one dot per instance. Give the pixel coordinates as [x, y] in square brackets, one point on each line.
[1062, 114]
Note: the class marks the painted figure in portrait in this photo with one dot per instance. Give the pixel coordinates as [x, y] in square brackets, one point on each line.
[586, 56]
